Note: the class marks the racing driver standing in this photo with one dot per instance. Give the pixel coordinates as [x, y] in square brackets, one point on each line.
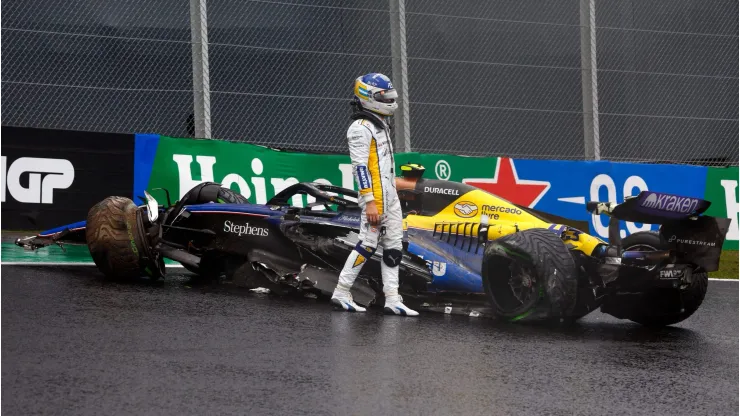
[373, 167]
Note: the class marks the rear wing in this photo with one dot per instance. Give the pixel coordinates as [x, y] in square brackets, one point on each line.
[696, 238]
[651, 208]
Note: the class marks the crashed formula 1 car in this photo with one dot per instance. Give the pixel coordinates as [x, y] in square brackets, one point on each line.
[466, 251]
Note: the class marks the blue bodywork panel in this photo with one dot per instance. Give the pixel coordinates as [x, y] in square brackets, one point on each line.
[455, 265]
[235, 209]
[73, 226]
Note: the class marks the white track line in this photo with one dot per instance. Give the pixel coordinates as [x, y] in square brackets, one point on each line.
[53, 263]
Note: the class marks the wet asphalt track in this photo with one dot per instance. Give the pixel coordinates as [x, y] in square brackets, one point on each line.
[74, 345]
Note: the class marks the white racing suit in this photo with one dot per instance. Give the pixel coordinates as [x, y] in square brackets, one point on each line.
[373, 164]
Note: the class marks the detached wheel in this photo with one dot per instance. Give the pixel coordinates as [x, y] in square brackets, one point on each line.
[116, 241]
[664, 306]
[530, 275]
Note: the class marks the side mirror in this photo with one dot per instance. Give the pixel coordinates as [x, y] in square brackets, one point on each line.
[152, 207]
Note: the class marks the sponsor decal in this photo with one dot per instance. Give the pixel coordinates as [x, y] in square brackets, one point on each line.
[439, 268]
[396, 259]
[671, 274]
[442, 170]
[372, 236]
[674, 239]
[506, 184]
[259, 186]
[350, 218]
[52, 177]
[244, 229]
[494, 210]
[465, 209]
[44, 176]
[443, 191]
[359, 260]
[363, 177]
[673, 203]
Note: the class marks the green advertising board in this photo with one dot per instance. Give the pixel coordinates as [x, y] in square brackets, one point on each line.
[722, 190]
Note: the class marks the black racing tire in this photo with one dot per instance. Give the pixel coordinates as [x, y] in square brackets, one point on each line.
[204, 193]
[114, 239]
[681, 303]
[227, 196]
[644, 240]
[539, 260]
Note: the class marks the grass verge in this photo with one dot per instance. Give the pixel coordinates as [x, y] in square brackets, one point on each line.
[728, 266]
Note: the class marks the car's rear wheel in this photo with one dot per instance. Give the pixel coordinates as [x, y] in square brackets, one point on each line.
[530, 275]
[116, 240]
[664, 306]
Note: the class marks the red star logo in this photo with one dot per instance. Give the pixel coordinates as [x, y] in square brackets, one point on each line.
[507, 185]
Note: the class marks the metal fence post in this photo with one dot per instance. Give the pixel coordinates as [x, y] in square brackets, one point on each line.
[400, 74]
[589, 86]
[201, 78]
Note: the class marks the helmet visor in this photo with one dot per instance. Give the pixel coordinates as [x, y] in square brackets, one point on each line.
[386, 96]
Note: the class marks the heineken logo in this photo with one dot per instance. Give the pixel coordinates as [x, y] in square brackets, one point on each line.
[254, 186]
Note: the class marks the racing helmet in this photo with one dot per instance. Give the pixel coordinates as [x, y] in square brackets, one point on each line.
[375, 92]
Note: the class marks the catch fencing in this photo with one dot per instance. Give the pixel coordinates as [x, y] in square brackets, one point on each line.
[652, 80]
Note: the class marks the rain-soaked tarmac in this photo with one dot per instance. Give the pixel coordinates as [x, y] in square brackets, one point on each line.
[72, 344]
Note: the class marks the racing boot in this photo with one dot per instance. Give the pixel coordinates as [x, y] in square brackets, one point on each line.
[343, 302]
[341, 299]
[389, 271]
[394, 305]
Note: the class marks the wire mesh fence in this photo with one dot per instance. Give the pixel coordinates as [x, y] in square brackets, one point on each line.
[650, 81]
[668, 80]
[111, 66]
[496, 77]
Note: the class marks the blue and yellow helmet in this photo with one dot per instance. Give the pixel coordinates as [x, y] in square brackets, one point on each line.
[375, 92]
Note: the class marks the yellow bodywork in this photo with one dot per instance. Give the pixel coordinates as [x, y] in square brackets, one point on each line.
[504, 218]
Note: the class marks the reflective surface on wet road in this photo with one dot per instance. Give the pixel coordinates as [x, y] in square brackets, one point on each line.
[73, 344]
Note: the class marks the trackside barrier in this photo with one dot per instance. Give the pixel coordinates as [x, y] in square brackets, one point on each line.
[53, 177]
[559, 187]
